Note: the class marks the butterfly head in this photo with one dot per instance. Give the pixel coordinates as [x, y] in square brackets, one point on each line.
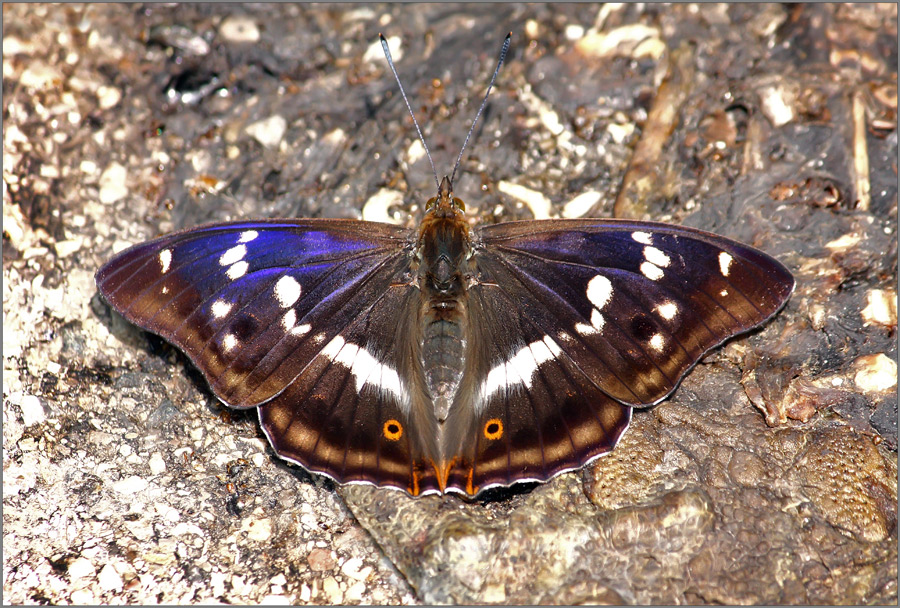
[445, 204]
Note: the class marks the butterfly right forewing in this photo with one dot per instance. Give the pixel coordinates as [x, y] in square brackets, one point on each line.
[634, 304]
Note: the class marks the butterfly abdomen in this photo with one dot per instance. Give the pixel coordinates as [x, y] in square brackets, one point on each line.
[444, 248]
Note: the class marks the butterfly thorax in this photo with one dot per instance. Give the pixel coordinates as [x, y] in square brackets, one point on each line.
[443, 251]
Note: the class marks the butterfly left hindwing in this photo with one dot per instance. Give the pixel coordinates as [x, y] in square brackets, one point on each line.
[286, 315]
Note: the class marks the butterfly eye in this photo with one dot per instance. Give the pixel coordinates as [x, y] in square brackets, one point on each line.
[393, 430]
[431, 203]
[459, 203]
[493, 429]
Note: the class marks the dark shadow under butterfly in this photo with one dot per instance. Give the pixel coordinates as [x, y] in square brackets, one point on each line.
[444, 358]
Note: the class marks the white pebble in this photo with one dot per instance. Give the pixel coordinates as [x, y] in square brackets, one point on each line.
[108, 97]
[239, 29]
[332, 591]
[81, 568]
[66, 248]
[82, 597]
[39, 75]
[130, 485]
[537, 202]
[260, 529]
[109, 579]
[113, 185]
[32, 410]
[777, 105]
[353, 568]
[268, 131]
[881, 308]
[157, 464]
[375, 53]
[877, 373]
[377, 208]
[355, 592]
[581, 204]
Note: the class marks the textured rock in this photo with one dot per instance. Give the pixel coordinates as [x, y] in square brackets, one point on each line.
[769, 477]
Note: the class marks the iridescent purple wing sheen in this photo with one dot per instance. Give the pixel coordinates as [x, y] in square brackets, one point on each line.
[584, 319]
[278, 314]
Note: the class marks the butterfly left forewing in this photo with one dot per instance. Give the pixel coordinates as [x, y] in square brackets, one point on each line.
[241, 299]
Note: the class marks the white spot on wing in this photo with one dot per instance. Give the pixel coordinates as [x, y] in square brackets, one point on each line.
[651, 271]
[165, 260]
[599, 291]
[518, 369]
[642, 237]
[221, 308]
[332, 349]
[229, 342]
[657, 342]
[235, 254]
[289, 322]
[287, 291]
[364, 367]
[725, 261]
[597, 322]
[667, 310]
[247, 236]
[236, 271]
[656, 256]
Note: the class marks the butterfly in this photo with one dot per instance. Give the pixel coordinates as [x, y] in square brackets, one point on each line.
[444, 358]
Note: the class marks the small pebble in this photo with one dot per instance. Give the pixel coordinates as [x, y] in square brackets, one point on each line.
[80, 568]
[108, 97]
[537, 202]
[320, 560]
[581, 204]
[130, 485]
[157, 464]
[109, 579]
[259, 529]
[239, 29]
[877, 373]
[32, 410]
[268, 131]
[113, 186]
[377, 208]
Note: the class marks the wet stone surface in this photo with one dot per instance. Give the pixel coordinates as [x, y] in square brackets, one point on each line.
[768, 477]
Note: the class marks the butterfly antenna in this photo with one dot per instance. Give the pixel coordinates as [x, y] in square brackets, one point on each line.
[483, 103]
[387, 54]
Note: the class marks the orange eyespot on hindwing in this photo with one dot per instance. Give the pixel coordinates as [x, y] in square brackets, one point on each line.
[493, 429]
[393, 430]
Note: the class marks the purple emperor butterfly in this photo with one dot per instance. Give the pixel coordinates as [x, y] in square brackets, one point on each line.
[444, 358]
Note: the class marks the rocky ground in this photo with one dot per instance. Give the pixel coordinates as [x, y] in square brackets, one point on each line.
[769, 477]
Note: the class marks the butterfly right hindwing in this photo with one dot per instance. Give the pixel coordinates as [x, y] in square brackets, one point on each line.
[527, 411]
